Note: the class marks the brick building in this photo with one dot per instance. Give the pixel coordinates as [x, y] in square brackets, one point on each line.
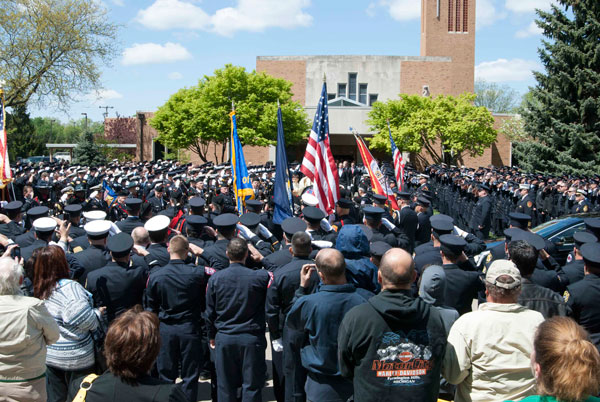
[446, 65]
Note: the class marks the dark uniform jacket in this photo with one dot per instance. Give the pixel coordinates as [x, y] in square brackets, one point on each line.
[118, 286]
[582, 297]
[482, 215]
[11, 229]
[76, 231]
[176, 293]
[542, 300]
[235, 301]
[574, 271]
[27, 251]
[423, 233]
[215, 255]
[379, 339]
[408, 223]
[526, 205]
[461, 288]
[26, 239]
[108, 388]
[158, 255]
[91, 259]
[128, 224]
[277, 259]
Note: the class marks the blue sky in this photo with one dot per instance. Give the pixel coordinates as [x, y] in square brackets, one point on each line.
[170, 44]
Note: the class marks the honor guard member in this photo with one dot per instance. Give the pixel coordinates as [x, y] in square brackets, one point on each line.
[372, 220]
[581, 202]
[280, 298]
[118, 211]
[176, 294]
[260, 237]
[118, 285]
[279, 258]
[481, 222]
[214, 255]
[43, 228]
[526, 204]
[95, 256]
[194, 228]
[342, 211]
[377, 250]
[266, 219]
[380, 200]
[132, 205]
[408, 221]
[13, 227]
[72, 214]
[592, 225]
[575, 269]
[582, 297]
[461, 286]
[432, 256]
[158, 230]
[158, 201]
[34, 213]
[96, 201]
[423, 233]
[516, 221]
[423, 185]
[312, 217]
[81, 243]
[235, 312]
[197, 205]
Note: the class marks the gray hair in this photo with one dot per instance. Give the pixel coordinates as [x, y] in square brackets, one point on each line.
[10, 277]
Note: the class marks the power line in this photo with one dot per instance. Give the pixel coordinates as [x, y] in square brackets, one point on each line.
[105, 114]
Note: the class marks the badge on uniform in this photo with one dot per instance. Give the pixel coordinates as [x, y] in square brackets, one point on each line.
[489, 258]
[566, 296]
[529, 204]
[585, 208]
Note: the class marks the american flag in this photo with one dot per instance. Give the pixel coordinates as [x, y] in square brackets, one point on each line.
[5, 172]
[398, 161]
[318, 163]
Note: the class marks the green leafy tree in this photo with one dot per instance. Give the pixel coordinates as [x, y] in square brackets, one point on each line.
[20, 135]
[495, 97]
[87, 152]
[562, 113]
[51, 50]
[194, 117]
[445, 127]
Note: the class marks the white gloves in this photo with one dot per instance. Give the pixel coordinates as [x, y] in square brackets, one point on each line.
[245, 232]
[325, 225]
[114, 229]
[388, 224]
[94, 194]
[277, 345]
[264, 231]
[322, 243]
[460, 232]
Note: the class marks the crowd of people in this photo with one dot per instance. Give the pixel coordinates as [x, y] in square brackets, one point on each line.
[135, 280]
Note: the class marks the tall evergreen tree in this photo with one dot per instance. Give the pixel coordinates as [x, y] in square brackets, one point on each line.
[563, 112]
[87, 152]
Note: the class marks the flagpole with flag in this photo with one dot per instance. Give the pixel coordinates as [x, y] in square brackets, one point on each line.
[398, 160]
[5, 172]
[377, 178]
[318, 163]
[242, 187]
[282, 190]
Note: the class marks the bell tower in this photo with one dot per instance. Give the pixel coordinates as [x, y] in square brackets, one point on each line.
[448, 30]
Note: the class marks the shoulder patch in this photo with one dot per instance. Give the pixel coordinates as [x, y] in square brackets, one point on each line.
[529, 204]
[585, 208]
[489, 258]
[77, 249]
[566, 296]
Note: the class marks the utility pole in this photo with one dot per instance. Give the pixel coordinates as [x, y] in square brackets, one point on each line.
[105, 114]
[85, 114]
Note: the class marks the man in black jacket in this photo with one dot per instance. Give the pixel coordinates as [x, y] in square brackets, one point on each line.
[394, 344]
[482, 214]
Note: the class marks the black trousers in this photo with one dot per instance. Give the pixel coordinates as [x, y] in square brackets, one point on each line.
[181, 346]
[58, 382]
[295, 373]
[240, 362]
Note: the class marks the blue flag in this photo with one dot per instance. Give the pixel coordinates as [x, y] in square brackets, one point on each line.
[242, 188]
[282, 191]
[109, 194]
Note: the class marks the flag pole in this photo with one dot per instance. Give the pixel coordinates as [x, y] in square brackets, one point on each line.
[4, 129]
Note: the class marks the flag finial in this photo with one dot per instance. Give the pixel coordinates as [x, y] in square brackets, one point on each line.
[324, 77]
[278, 105]
[232, 106]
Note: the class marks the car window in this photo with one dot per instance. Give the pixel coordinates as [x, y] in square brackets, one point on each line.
[566, 236]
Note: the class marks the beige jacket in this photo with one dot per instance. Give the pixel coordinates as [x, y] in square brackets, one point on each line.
[26, 327]
[488, 353]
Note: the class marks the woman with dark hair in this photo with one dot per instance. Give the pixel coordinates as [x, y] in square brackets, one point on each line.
[131, 346]
[565, 363]
[72, 308]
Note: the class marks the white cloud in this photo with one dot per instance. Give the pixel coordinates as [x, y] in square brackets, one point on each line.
[102, 95]
[247, 15]
[503, 70]
[487, 14]
[403, 10]
[119, 3]
[170, 14]
[528, 6]
[531, 30]
[175, 76]
[153, 53]
[371, 9]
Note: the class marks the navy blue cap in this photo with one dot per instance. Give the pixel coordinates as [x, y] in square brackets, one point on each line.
[197, 202]
[403, 195]
[13, 206]
[452, 244]
[313, 214]
[441, 217]
[254, 205]
[373, 213]
[344, 203]
[197, 222]
[133, 203]
[593, 225]
[379, 198]
[224, 221]
[379, 248]
[441, 226]
[423, 201]
[533, 239]
[520, 220]
[510, 232]
[483, 187]
[37, 212]
[250, 219]
[591, 253]
[293, 225]
[120, 244]
[73, 209]
[584, 237]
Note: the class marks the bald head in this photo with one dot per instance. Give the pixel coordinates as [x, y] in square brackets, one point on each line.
[140, 236]
[397, 269]
[331, 264]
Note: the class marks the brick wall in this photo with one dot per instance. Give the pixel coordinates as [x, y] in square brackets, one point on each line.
[438, 75]
[291, 70]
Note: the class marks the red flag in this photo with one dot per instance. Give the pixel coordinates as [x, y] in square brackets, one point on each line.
[377, 179]
[318, 163]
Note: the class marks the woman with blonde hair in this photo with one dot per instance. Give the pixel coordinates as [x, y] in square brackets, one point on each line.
[565, 363]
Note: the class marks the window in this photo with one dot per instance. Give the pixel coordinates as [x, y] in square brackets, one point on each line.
[465, 15]
[372, 99]
[457, 29]
[352, 86]
[341, 90]
[450, 14]
[330, 96]
[362, 93]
